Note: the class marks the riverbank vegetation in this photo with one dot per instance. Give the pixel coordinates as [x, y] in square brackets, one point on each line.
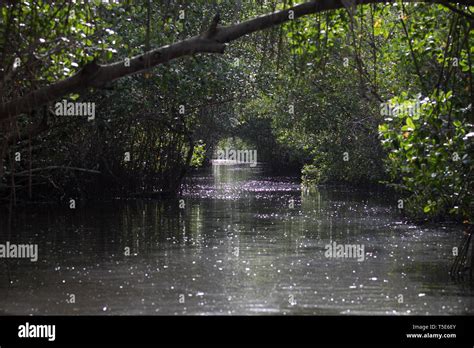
[380, 92]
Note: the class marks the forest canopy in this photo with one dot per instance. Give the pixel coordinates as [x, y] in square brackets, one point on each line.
[353, 92]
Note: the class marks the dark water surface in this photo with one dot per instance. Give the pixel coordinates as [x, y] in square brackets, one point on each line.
[237, 247]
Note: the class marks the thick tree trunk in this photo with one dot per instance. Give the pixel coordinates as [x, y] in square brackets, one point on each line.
[212, 41]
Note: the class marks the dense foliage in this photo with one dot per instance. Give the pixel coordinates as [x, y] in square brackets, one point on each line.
[311, 95]
[430, 156]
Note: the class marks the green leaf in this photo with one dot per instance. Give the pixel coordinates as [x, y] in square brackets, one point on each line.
[383, 128]
[410, 123]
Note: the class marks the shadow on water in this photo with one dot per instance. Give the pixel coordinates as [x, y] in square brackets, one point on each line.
[239, 242]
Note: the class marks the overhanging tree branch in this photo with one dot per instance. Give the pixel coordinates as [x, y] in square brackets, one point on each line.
[460, 12]
[212, 41]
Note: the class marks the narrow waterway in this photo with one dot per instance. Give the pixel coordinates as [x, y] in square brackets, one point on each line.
[240, 242]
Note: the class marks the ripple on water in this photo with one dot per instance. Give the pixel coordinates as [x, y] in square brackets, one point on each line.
[238, 247]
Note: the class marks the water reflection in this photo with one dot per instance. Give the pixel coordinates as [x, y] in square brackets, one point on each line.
[242, 243]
